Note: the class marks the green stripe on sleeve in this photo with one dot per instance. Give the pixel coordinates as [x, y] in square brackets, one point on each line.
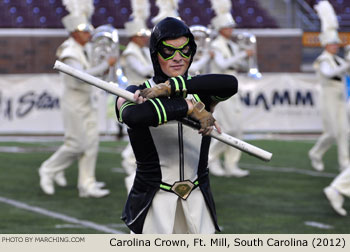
[125, 104]
[158, 112]
[147, 84]
[163, 109]
[177, 89]
[196, 97]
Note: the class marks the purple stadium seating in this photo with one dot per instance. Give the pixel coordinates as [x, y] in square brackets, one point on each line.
[341, 8]
[48, 13]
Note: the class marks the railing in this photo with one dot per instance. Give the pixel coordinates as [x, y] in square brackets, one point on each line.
[293, 14]
[306, 17]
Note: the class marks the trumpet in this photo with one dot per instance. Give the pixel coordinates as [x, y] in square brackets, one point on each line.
[203, 39]
[104, 44]
[247, 41]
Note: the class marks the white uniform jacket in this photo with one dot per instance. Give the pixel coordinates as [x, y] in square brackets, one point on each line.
[136, 64]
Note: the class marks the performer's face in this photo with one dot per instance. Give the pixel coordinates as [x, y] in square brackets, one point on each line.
[142, 41]
[226, 32]
[179, 63]
[82, 37]
[332, 48]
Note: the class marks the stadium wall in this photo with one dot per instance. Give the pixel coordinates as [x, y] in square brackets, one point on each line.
[284, 100]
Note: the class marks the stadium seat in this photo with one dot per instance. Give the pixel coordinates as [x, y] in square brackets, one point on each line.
[48, 14]
[342, 9]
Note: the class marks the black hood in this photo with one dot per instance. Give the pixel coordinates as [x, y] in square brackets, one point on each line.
[168, 28]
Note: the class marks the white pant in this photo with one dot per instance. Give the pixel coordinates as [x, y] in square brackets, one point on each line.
[228, 115]
[129, 165]
[342, 182]
[80, 143]
[231, 155]
[335, 125]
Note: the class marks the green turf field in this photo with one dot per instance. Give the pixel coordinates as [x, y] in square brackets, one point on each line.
[280, 196]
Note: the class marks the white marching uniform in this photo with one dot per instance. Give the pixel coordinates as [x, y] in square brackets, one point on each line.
[336, 191]
[342, 182]
[333, 108]
[200, 64]
[227, 60]
[136, 63]
[137, 66]
[81, 136]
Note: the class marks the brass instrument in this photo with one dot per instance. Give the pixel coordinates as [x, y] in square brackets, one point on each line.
[104, 44]
[203, 38]
[247, 41]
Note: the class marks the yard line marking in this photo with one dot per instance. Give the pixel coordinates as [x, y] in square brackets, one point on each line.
[116, 225]
[17, 149]
[50, 148]
[288, 170]
[62, 226]
[112, 225]
[118, 170]
[60, 216]
[317, 225]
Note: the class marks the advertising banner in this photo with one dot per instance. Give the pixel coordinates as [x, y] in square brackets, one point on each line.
[280, 102]
[30, 104]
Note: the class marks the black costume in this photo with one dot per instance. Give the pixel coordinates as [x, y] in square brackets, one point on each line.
[159, 150]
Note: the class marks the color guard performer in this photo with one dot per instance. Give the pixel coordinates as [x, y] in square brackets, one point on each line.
[137, 67]
[171, 191]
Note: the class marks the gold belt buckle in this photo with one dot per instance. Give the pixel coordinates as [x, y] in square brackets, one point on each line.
[182, 188]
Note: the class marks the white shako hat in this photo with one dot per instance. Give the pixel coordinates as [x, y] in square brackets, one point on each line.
[167, 8]
[76, 23]
[329, 23]
[140, 13]
[223, 17]
[80, 12]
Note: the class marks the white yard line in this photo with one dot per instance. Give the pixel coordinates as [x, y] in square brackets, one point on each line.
[60, 216]
[118, 170]
[318, 225]
[65, 226]
[288, 170]
[51, 148]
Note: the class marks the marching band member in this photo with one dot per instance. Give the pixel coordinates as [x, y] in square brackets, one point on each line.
[136, 60]
[336, 191]
[137, 67]
[80, 120]
[330, 70]
[228, 59]
[200, 64]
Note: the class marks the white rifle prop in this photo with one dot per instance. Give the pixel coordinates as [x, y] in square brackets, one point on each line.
[114, 89]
